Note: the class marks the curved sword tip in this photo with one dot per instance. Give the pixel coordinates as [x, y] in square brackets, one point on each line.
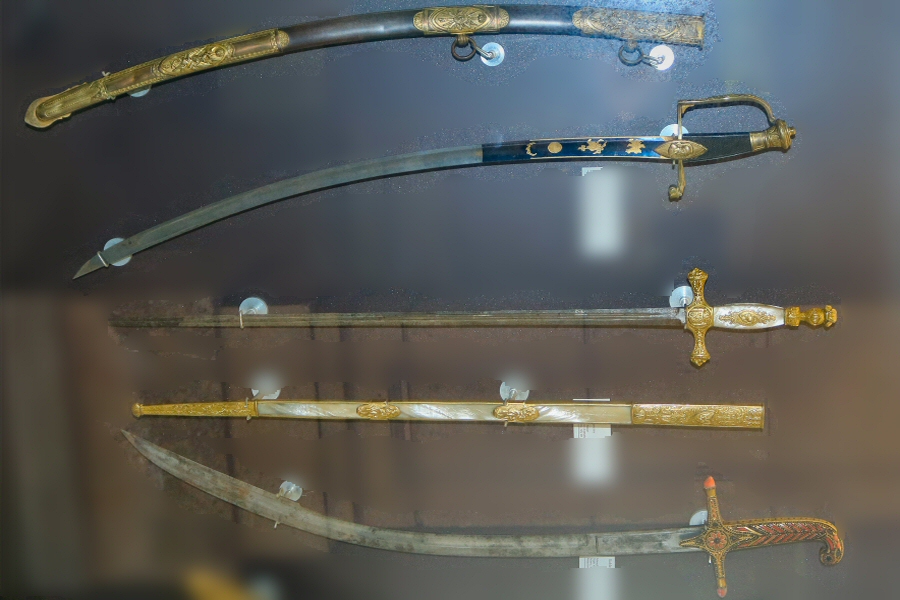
[89, 267]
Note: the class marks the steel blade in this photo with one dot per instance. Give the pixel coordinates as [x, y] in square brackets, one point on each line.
[604, 317]
[284, 511]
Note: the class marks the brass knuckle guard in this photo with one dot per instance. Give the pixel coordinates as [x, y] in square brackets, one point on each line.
[720, 537]
[700, 317]
[43, 112]
[779, 135]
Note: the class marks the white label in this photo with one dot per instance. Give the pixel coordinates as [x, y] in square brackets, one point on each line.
[589, 562]
[592, 431]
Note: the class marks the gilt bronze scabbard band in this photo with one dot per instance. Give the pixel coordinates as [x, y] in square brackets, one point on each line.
[682, 150]
[460, 22]
[728, 416]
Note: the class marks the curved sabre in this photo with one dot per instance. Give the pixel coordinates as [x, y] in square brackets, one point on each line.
[687, 149]
[717, 537]
[460, 22]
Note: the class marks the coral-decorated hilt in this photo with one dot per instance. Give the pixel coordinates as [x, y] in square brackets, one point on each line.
[719, 537]
[700, 317]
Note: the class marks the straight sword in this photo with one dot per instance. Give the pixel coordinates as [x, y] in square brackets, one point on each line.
[461, 23]
[717, 537]
[682, 150]
[698, 317]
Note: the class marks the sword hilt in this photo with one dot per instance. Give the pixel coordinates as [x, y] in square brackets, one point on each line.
[720, 537]
[700, 317]
[779, 135]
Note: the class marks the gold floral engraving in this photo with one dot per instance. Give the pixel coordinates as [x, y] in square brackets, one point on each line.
[634, 147]
[198, 409]
[748, 317]
[682, 415]
[516, 413]
[635, 25]
[720, 537]
[44, 111]
[593, 147]
[378, 411]
[528, 148]
[461, 20]
[699, 317]
[793, 316]
[197, 59]
[554, 147]
[680, 149]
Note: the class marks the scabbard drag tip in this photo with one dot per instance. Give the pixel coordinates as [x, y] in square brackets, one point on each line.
[722, 591]
[32, 118]
[709, 484]
[137, 410]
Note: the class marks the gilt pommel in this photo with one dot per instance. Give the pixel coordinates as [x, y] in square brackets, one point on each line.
[779, 136]
[814, 317]
[137, 410]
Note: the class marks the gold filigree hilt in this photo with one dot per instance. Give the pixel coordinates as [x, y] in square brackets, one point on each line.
[779, 135]
[720, 537]
[700, 317]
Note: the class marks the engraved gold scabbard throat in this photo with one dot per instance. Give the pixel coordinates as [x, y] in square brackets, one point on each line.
[698, 317]
[716, 538]
[461, 23]
[681, 150]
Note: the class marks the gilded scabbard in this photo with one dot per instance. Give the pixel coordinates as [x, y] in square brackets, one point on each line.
[459, 22]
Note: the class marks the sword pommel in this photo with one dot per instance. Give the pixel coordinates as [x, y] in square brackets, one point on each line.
[815, 317]
[137, 410]
[720, 537]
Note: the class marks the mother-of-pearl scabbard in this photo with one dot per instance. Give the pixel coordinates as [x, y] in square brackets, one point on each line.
[570, 412]
[577, 411]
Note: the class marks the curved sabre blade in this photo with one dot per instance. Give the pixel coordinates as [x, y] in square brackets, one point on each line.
[285, 512]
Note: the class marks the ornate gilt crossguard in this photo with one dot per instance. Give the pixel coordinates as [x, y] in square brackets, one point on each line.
[700, 317]
[719, 537]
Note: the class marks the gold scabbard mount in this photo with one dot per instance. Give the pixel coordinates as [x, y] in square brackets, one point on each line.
[720, 537]
[778, 136]
[713, 415]
[378, 411]
[462, 22]
[516, 412]
[43, 112]
[815, 317]
[247, 409]
[634, 26]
